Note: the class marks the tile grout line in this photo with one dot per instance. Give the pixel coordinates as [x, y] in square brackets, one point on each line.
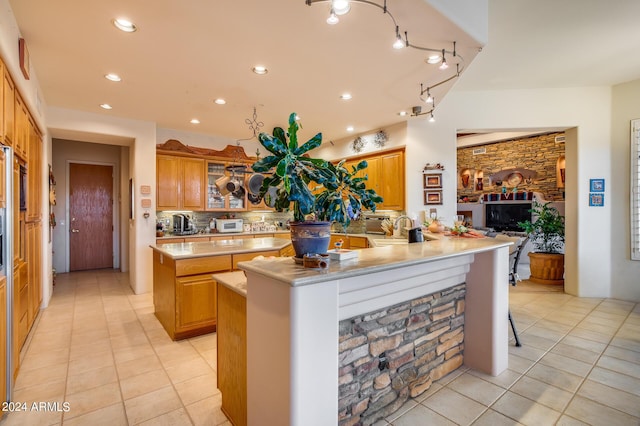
[594, 366]
[144, 330]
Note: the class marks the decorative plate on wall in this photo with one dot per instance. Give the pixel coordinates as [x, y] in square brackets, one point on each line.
[514, 179]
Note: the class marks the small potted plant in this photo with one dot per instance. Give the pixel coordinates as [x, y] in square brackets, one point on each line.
[339, 194]
[546, 232]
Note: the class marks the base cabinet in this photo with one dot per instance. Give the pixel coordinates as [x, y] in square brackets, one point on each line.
[232, 354]
[196, 303]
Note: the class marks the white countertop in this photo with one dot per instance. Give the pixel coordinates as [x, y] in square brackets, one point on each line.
[235, 281]
[220, 247]
[370, 260]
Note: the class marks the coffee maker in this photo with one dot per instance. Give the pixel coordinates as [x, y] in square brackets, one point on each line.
[182, 224]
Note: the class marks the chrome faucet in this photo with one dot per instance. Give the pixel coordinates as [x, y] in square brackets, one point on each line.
[395, 224]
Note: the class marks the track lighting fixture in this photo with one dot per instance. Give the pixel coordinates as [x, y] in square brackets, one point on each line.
[443, 65]
[341, 7]
[398, 44]
[436, 56]
[333, 18]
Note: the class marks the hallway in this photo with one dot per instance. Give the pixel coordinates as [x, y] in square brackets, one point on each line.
[99, 348]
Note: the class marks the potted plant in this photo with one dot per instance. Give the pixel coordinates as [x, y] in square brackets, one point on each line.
[546, 233]
[340, 194]
[342, 199]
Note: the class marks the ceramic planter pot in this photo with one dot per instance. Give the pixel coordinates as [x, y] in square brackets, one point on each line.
[310, 237]
[547, 268]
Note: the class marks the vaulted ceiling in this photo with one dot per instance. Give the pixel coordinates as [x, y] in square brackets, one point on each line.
[186, 54]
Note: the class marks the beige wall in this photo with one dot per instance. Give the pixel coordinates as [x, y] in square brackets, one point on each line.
[625, 283]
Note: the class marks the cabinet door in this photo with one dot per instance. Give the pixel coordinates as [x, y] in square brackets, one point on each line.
[8, 103]
[195, 301]
[167, 176]
[215, 200]
[34, 174]
[21, 127]
[192, 196]
[373, 173]
[392, 181]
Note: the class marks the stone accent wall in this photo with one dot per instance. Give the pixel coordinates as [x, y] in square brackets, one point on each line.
[539, 153]
[395, 353]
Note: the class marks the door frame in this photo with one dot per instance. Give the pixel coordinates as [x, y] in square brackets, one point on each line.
[115, 208]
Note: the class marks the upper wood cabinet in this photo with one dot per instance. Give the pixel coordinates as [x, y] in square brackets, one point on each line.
[34, 174]
[21, 142]
[392, 184]
[385, 174]
[8, 107]
[181, 183]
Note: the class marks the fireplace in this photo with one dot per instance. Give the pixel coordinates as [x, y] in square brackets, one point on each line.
[504, 216]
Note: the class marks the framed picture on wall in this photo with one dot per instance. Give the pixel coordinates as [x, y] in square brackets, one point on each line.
[596, 199]
[596, 185]
[432, 197]
[433, 180]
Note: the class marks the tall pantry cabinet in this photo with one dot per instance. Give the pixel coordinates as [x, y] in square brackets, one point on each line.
[18, 130]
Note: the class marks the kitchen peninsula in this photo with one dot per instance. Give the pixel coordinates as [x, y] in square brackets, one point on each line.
[184, 294]
[309, 333]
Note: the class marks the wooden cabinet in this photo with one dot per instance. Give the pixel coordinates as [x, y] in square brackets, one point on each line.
[219, 201]
[195, 303]
[34, 174]
[392, 175]
[180, 183]
[349, 241]
[232, 354]
[21, 141]
[386, 175]
[184, 293]
[8, 107]
[34, 278]
[23, 303]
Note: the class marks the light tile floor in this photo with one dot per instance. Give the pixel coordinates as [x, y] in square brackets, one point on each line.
[100, 348]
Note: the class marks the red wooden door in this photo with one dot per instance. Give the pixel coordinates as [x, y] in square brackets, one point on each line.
[90, 217]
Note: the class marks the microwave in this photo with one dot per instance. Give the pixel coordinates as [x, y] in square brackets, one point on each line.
[229, 225]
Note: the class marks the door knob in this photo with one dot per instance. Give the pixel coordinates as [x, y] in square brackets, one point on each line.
[75, 231]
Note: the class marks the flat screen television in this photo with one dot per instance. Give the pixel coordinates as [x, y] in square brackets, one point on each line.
[505, 217]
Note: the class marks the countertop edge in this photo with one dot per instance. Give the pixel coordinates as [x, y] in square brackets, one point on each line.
[218, 249]
[311, 276]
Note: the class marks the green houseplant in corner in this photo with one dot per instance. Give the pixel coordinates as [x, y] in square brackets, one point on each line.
[546, 233]
[340, 197]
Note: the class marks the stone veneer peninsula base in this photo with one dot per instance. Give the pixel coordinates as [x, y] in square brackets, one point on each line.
[299, 320]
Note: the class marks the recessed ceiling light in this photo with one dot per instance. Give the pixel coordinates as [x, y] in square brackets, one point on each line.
[106, 106]
[402, 113]
[345, 96]
[195, 121]
[124, 25]
[350, 129]
[434, 59]
[113, 77]
[220, 101]
[259, 69]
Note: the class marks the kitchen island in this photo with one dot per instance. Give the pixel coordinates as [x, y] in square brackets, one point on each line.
[308, 330]
[184, 293]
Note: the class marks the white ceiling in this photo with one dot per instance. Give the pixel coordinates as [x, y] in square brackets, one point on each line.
[188, 53]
